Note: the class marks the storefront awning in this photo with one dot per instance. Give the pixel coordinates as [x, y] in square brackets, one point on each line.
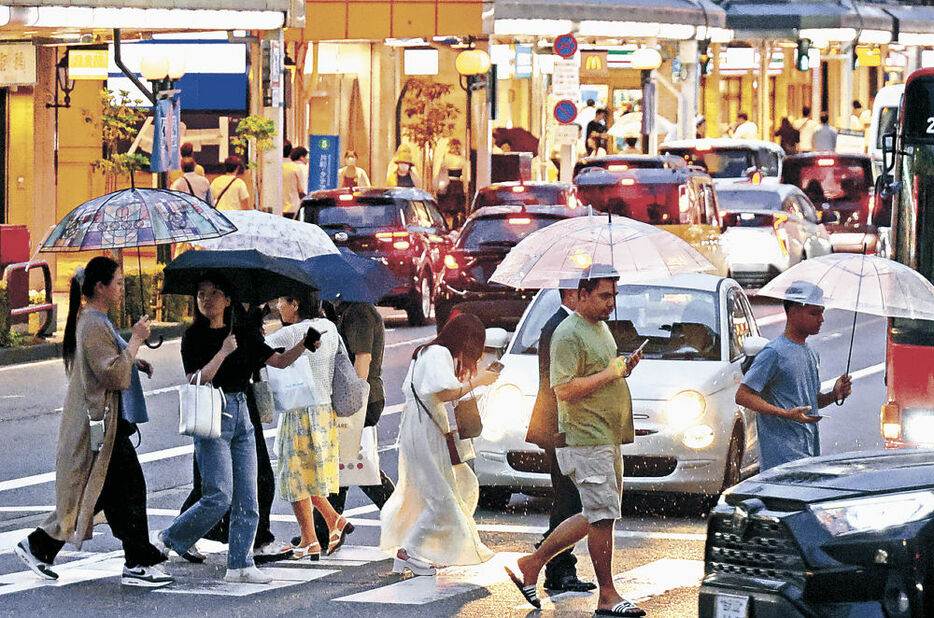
[782, 19]
[686, 12]
[912, 19]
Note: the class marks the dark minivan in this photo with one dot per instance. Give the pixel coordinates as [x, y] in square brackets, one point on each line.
[399, 227]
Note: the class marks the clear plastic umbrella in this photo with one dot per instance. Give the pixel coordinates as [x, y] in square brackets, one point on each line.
[560, 255]
[858, 283]
[273, 235]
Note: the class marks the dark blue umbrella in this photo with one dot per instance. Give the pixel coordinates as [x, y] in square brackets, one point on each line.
[349, 277]
[255, 277]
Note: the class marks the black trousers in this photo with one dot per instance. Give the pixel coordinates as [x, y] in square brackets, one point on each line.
[566, 502]
[123, 500]
[265, 486]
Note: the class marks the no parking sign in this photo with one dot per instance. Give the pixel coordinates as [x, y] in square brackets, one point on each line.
[565, 45]
[565, 111]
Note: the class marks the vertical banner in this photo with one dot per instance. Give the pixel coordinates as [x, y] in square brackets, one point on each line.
[165, 155]
[323, 161]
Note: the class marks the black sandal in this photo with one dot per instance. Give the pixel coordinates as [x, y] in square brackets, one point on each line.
[527, 591]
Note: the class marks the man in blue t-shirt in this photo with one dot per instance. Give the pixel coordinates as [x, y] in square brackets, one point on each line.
[783, 384]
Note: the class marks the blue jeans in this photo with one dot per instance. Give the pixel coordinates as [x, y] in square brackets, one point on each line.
[228, 481]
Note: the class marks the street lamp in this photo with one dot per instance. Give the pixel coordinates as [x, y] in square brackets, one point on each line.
[647, 60]
[472, 65]
[62, 83]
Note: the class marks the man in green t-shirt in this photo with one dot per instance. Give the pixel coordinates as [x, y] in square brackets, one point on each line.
[595, 417]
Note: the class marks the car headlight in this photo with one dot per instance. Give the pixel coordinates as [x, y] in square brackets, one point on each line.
[873, 514]
[685, 407]
[698, 437]
[503, 408]
[918, 426]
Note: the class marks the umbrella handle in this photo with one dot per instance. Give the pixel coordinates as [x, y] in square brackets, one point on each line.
[153, 346]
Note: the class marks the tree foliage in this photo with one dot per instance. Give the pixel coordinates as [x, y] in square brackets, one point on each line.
[256, 129]
[119, 122]
[429, 117]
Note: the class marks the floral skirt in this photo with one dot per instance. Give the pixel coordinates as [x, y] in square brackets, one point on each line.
[308, 459]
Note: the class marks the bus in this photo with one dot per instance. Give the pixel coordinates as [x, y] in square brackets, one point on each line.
[907, 184]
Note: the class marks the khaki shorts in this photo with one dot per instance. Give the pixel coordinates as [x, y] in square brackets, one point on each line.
[597, 472]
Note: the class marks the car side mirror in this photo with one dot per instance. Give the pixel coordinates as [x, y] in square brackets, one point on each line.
[751, 347]
[497, 339]
[888, 151]
[885, 191]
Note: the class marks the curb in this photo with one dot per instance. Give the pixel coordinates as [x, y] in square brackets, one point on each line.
[47, 351]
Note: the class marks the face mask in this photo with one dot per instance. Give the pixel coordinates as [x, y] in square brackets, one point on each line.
[351, 161]
[403, 168]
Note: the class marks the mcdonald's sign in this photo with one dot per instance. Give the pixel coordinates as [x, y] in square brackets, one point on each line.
[593, 64]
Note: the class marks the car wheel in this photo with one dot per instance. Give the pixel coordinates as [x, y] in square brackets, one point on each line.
[419, 310]
[734, 459]
[495, 498]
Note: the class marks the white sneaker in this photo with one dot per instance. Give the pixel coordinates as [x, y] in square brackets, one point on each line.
[145, 577]
[24, 553]
[249, 575]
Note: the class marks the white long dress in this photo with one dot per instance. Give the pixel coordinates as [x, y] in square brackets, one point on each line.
[430, 513]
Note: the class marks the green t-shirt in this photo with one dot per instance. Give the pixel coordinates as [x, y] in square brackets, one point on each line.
[580, 349]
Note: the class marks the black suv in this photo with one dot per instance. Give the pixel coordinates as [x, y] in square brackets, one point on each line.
[485, 239]
[399, 227]
[840, 535]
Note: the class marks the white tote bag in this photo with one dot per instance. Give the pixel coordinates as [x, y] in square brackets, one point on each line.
[291, 387]
[199, 410]
[359, 460]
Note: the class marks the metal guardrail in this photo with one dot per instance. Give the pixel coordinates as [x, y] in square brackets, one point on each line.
[47, 306]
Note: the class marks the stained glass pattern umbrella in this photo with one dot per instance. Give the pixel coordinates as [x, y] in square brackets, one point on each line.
[133, 218]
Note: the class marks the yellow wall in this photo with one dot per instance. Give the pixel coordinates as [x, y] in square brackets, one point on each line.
[379, 19]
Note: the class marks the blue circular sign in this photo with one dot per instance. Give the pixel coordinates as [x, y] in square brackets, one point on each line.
[565, 111]
[565, 45]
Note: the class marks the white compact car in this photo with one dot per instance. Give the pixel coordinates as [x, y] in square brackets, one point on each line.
[691, 437]
[729, 160]
[767, 229]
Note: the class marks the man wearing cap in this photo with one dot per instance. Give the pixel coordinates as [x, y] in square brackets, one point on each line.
[783, 384]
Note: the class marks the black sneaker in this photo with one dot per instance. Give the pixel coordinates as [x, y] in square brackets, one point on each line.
[24, 553]
[145, 577]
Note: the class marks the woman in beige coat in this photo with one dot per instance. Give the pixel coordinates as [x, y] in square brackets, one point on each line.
[96, 467]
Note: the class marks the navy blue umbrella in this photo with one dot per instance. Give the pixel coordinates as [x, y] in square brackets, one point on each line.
[349, 277]
[255, 277]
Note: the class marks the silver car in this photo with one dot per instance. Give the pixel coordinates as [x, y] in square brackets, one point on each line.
[691, 437]
[768, 229]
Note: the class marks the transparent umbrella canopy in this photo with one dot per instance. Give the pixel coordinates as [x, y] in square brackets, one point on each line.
[858, 283]
[270, 234]
[560, 255]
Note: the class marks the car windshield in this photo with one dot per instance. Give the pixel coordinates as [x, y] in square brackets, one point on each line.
[680, 324]
[720, 162]
[356, 214]
[749, 200]
[522, 194]
[657, 203]
[837, 181]
[493, 232]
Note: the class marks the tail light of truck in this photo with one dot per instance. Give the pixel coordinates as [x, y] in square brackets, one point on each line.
[684, 204]
[891, 421]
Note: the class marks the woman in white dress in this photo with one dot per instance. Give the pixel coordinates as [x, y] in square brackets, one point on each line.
[428, 520]
[307, 440]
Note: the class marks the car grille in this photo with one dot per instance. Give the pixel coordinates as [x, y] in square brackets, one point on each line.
[765, 550]
[753, 279]
[525, 461]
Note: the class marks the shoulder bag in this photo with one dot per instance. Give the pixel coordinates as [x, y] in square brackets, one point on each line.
[264, 397]
[200, 408]
[467, 417]
[349, 392]
[460, 451]
[290, 388]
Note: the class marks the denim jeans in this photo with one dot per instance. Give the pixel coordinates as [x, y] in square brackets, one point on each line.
[228, 480]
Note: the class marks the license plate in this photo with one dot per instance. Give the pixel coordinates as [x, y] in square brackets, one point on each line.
[729, 606]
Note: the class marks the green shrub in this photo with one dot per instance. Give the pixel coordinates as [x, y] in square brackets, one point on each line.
[176, 308]
[6, 338]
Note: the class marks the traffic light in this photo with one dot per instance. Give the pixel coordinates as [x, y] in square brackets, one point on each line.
[802, 60]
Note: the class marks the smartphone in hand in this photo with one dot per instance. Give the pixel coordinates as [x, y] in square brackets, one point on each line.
[641, 347]
[495, 367]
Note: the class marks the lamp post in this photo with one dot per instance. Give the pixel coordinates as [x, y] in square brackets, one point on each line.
[162, 73]
[62, 83]
[472, 65]
[647, 60]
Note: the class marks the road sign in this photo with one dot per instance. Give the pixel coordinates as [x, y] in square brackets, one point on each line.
[565, 111]
[323, 161]
[567, 134]
[565, 45]
[565, 79]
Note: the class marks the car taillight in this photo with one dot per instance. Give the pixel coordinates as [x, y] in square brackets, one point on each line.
[871, 204]
[777, 221]
[401, 245]
[891, 421]
[518, 220]
[399, 240]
